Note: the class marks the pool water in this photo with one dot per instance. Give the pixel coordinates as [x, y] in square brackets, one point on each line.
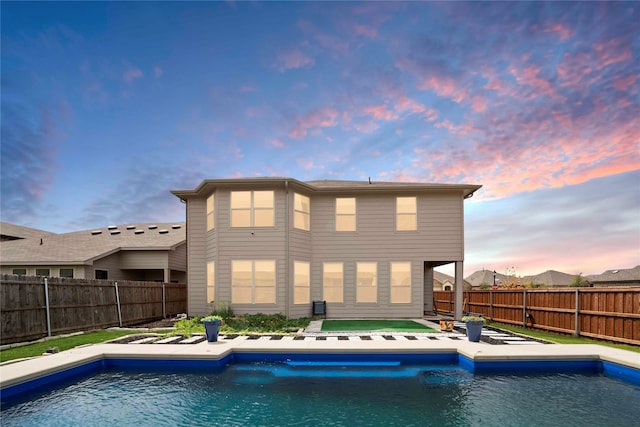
[330, 394]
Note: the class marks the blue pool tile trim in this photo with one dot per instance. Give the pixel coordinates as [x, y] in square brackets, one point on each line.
[614, 370]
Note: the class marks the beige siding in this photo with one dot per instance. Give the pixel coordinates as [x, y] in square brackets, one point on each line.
[144, 260]
[249, 243]
[178, 258]
[197, 303]
[299, 250]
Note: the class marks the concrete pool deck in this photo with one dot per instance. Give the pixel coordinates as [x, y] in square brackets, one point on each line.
[12, 373]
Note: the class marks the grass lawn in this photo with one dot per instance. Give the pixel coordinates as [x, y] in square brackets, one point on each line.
[36, 349]
[561, 338]
[374, 325]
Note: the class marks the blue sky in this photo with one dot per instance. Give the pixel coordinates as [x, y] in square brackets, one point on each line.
[106, 107]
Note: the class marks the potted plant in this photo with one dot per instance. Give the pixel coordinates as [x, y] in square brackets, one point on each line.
[212, 327]
[474, 327]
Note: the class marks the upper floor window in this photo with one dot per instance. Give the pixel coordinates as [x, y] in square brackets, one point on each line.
[406, 214]
[367, 281]
[332, 281]
[301, 282]
[301, 212]
[210, 212]
[346, 214]
[253, 282]
[400, 282]
[252, 209]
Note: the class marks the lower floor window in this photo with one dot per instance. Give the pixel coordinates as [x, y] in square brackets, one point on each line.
[42, 272]
[301, 282]
[102, 274]
[20, 271]
[253, 282]
[400, 282]
[66, 272]
[332, 282]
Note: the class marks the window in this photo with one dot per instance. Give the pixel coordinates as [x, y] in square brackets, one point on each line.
[346, 214]
[20, 271]
[252, 209]
[301, 212]
[301, 282]
[367, 282]
[44, 272]
[332, 281]
[66, 272]
[253, 282]
[211, 282]
[400, 282]
[102, 274]
[406, 214]
[210, 212]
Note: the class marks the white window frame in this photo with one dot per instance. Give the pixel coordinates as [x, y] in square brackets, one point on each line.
[396, 286]
[333, 286]
[342, 214]
[211, 205]
[211, 282]
[301, 218]
[301, 282]
[254, 286]
[253, 209]
[362, 288]
[405, 214]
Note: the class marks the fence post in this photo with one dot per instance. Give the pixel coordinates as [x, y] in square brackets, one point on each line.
[491, 304]
[46, 302]
[524, 308]
[164, 304]
[577, 326]
[118, 304]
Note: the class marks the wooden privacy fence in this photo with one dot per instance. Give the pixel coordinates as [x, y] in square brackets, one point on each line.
[35, 307]
[606, 313]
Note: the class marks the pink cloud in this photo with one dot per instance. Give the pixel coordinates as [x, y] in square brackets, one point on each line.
[132, 74]
[293, 59]
[319, 118]
[624, 84]
[277, 143]
[530, 76]
[611, 52]
[478, 103]
[366, 31]
[443, 86]
[157, 71]
[404, 103]
[380, 112]
[562, 30]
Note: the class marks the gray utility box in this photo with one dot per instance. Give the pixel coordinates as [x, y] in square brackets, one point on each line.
[319, 308]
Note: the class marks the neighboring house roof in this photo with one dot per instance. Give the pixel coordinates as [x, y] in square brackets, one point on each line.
[485, 276]
[550, 278]
[628, 275]
[328, 185]
[13, 232]
[442, 278]
[83, 247]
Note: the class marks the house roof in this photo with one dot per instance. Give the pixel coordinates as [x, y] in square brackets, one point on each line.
[13, 231]
[442, 278]
[485, 276]
[617, 276]
[209, 185]
[83, 247]
[551, 278]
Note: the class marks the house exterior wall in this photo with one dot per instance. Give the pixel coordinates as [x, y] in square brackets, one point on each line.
[439, 239]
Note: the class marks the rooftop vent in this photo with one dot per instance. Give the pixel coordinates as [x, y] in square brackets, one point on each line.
[153, 227]
[96, 232]
[131, 227]
[163, 231]
[138, 231]
[176, 226]
[114, 232]
[112, 227]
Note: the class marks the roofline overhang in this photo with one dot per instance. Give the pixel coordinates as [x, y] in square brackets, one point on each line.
[208, 185]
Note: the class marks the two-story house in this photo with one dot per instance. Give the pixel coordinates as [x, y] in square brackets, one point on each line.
[275, 245]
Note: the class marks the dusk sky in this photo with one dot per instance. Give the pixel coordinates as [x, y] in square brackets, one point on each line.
[106, 107]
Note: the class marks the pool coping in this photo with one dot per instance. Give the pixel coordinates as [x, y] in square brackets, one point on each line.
[19, 372]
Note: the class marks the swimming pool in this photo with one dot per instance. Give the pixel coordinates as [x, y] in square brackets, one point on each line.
[328, 390]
